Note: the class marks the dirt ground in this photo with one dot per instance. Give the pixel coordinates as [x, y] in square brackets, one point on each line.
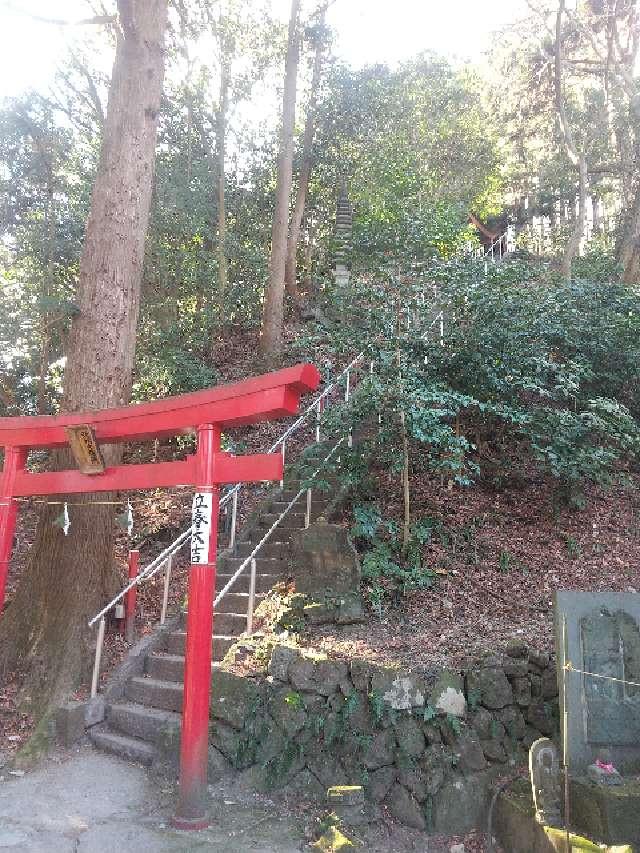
[82, 801]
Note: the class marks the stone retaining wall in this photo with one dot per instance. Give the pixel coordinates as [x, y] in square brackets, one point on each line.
[430, 751]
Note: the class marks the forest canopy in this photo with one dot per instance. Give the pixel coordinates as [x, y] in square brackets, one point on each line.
[235, 194]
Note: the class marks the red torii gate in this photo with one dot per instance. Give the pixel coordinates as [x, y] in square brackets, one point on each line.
[207, 413]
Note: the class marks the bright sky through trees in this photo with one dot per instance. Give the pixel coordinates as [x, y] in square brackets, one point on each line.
[368, 31]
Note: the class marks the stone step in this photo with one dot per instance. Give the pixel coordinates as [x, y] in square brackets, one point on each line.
[228, 564]
[241, 584]
[293, 520]
[226, 623]
[165, 667]
[221, 646]
[230, 624]
[318, 505]
[288, 494]
[283, 534]
[221, 642]
[170, 667]
[276, 548]
[130, 748]
[155, 693]
[139, 721]
[237, 602]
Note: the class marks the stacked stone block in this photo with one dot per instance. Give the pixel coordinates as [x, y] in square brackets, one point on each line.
[419, 746]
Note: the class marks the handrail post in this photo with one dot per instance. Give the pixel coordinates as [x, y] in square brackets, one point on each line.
[283, 458]
[252, 596]
[165, 592]
[347, 394]
[307, 517]
[234, 518]
[318, 416]
[130, 598]
[96, 662]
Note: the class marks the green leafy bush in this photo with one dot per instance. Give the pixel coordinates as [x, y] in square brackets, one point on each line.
[388, 570]
[476, 362]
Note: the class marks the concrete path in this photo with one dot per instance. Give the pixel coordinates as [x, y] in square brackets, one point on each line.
[88, 802]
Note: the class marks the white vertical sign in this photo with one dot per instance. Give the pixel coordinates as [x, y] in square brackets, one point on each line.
[201, 520]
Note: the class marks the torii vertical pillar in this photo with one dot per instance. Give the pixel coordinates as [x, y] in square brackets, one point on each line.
[194, 746]
[14, 461]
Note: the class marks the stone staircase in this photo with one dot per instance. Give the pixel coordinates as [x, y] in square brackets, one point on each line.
[152, 702]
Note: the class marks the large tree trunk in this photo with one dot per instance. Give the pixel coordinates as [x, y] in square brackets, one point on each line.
[68, 578]
[290, 276]
[576, 157]
[273, 310]
[628, 246]
[221, 138]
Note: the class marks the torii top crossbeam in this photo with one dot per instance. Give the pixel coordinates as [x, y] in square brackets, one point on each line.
[259, 398]
[273, 395]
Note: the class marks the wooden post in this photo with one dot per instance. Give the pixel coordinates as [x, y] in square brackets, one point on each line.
[14, 461]
[130, 598]
[191, 812]
[165, 591]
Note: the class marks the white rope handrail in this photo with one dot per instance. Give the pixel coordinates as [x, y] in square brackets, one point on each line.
[225, 589]
[146, 573]
[156, 564]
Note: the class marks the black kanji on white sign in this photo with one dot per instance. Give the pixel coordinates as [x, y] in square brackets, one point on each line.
[201, 532]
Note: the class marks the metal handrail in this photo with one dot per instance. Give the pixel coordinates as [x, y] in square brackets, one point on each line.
[148, 572]
[225, 589]
[294, 426]
[300, 420]
[497, 242]
[156, 564]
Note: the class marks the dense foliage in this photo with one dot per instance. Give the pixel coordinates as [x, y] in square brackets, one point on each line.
[478, 360]
[482, 362]
[481, 373]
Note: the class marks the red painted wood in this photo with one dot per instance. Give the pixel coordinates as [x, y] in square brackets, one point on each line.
[256, 468]
[120, 478]
[117, 478]
[265, 397]
[130, 598]
[260, 398]
[14, 460]
[194, 738]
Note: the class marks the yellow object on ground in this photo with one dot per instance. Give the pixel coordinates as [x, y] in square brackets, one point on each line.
[579, 843]
[333, 841]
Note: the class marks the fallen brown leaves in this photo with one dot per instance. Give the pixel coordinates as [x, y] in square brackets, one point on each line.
[15, 725]
[498, 561]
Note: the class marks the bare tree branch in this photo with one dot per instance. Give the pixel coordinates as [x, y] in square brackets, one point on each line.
[576, 157]
[55, 102]
[622, 73]
[91, 97]
[62, 22]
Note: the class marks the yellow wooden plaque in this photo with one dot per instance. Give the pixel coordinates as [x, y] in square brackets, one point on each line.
[85, 449]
